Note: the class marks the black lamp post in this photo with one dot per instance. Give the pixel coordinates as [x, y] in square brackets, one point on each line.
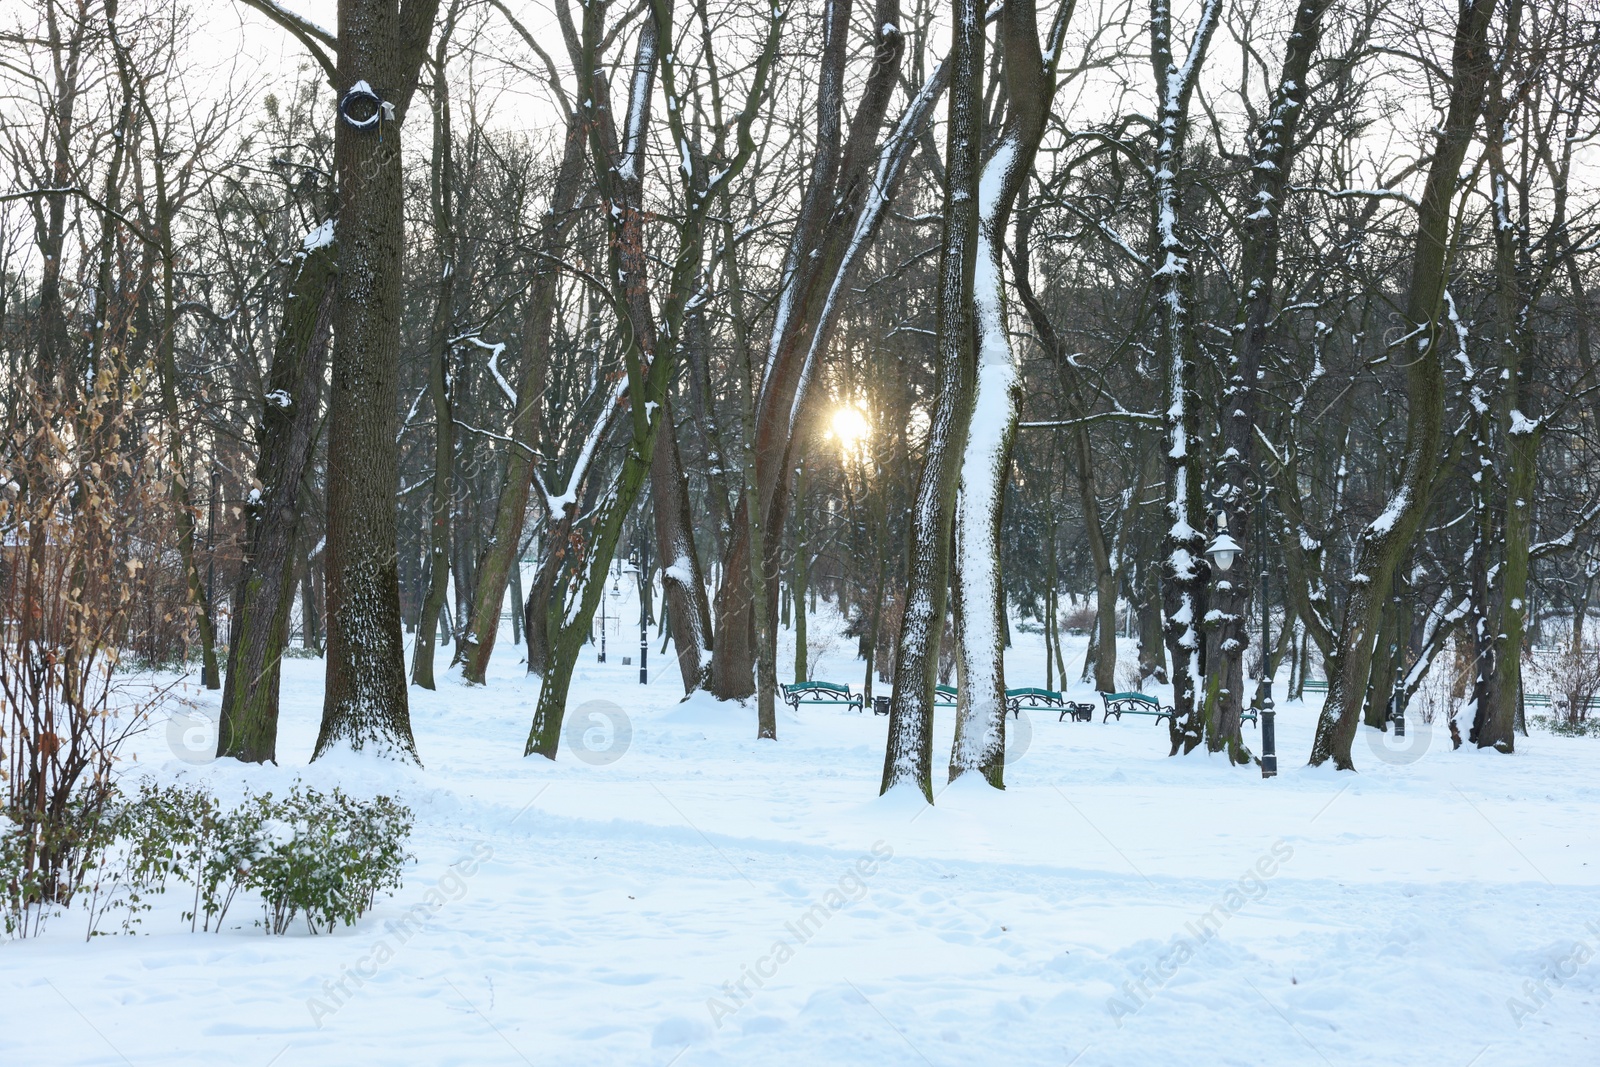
[639, 562]
[1269, 725]
[1397, 700]
[602, 627]
[616, 592]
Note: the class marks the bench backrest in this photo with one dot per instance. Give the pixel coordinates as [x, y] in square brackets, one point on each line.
[1137, 697]
[1033, 691]
[944, 690]
[818, 687]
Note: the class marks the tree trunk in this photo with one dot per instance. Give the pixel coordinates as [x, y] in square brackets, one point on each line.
[1385, 541]
[1185, 571]
[649, 370]
[290, 420]
[908, 755]
[843, 202]
[981, 706]
[1147, 608]
[684, 588]
[365, 702]
[1277, 147]
[442, 496]
[182, 498]
[500, 558]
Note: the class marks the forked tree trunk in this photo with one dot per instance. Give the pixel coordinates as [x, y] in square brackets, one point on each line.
[845, 195]
[1386, 539]
[981, 704]
[908, 754]
[500, 556]
[619, 171]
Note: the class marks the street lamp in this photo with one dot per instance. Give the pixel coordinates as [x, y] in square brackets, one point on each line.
[1269, 725]
[616, 594]
[1223, 548]
[1397, 704]
[639, 563]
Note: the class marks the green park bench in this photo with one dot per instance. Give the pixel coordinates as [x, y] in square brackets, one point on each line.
[1034, 697]
[820, 693]
[1543, 700]
[944, 696]
[1315, 685]
[1120, 704]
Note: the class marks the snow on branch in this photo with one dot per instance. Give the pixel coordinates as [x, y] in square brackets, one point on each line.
[1344, 194]
[1566, 540]
[312, 36]
[891, 159]
[555, 504]
[495, 351]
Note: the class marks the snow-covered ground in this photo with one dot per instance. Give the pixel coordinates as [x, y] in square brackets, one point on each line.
[689, 895]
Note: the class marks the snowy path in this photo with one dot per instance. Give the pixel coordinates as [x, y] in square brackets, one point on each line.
[1385, 917]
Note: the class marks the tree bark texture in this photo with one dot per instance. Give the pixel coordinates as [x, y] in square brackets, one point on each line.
[981, 703]
[908, 754]
[365, 701]
[1276, 146]
[290, 424]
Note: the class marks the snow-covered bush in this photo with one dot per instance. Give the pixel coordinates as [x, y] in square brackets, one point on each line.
[326, 856]
[323, 856]
[176, 830]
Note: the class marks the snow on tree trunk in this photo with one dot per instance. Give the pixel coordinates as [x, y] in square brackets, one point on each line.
[1512, 486]
[1185, 571]
[1276, 147]
[687, 604]
[908, 754]
[981, 705]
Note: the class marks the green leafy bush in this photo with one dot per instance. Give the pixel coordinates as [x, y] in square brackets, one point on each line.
[320, 856]
[1567, 727]
[326, 856]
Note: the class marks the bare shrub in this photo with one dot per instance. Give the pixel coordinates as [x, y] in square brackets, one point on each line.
[1573, 679]
[75, 507]
[1080, 620]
